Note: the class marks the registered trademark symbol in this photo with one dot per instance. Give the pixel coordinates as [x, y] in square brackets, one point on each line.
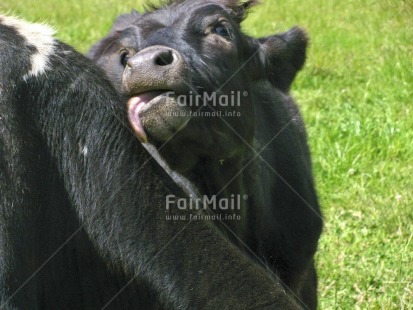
[245, 197]
[245, 93]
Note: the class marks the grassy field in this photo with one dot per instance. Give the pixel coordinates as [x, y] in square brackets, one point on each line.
[356, 94]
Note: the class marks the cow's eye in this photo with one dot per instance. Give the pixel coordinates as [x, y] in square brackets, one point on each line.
[124, 57]
[221, 30]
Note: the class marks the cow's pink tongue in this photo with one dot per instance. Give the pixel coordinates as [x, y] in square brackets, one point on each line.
[135, 106]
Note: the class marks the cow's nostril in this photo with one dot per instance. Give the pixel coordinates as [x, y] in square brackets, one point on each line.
[165, 58]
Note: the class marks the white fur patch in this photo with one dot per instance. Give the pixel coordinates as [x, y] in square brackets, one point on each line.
[85, 150]
[38, 35]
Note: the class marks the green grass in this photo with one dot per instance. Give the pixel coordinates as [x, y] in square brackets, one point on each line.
[356, 96]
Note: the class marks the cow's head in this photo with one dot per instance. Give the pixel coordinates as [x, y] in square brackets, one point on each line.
[191, 74]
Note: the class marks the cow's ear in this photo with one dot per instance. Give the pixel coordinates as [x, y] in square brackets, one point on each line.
[121, 23]
[282, 56]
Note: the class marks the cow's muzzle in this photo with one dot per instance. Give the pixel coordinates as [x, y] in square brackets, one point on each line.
[155, 68]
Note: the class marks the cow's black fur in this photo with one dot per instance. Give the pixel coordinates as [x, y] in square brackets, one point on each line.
[281, 217]
[82, 205]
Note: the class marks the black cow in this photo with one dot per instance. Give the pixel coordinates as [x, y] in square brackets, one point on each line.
[82, 204]
[168, 58]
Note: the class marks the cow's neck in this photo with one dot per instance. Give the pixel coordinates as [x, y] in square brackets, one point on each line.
[220, 181]
[224, 181]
